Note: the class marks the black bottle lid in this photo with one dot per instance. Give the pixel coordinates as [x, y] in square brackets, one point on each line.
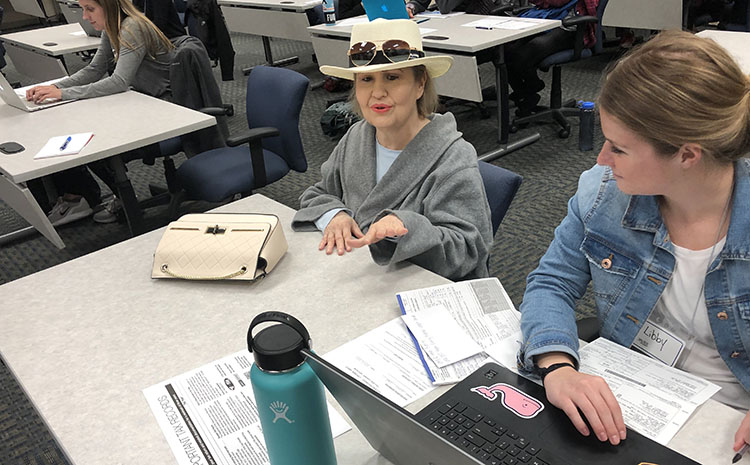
[278, 347]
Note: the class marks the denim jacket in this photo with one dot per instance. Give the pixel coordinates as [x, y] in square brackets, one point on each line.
[626, 234]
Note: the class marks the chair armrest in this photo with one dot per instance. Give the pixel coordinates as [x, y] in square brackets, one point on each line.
[224, 110]
[575, 21]
[252, 135]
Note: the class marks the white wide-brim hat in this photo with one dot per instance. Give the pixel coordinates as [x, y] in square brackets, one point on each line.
[381, 30]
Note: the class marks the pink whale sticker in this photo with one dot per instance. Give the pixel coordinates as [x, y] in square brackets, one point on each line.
[514, 400]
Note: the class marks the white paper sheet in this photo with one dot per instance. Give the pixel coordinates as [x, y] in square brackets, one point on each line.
[656, 400]
[481, 307]
[205, 421]
[437, 15]
[490, 23]
[386, 360]
[440, 336]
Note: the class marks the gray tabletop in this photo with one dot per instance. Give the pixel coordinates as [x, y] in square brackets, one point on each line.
[85, 337]
[458, 38]
[68, 38]
[131, 120]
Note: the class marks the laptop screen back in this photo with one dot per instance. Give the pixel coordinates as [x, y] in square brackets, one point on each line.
[386, 9]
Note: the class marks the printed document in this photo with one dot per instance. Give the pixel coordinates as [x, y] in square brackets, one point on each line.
[208, 415]
[480, 307]
[656, 399]
[440, 336]
[386, 360]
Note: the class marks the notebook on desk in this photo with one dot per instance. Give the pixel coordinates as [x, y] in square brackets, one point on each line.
[492, 417]
[386, 9]
[12, 98]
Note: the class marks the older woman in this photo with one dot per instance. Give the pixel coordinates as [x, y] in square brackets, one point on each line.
[403, 181]
[661, 228]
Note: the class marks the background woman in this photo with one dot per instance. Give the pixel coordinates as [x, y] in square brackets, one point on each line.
[403, 181]
[139, 53]
[661, 228]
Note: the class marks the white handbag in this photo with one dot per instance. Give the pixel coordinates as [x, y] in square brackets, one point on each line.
[217, 246]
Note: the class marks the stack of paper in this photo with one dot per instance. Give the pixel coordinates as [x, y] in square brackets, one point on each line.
[456, 323]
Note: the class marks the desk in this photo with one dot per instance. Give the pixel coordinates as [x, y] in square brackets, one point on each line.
[32, 55]
[134, 120]
[286, 19]
[464, 44]
[91, 345]
[736, 43]
[39, 8]
[644, 14]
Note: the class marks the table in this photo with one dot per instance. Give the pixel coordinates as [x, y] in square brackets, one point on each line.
[40, 8]
[448, 36]
[90, 346]
[38, 53]
[736, 43]
[285, 19]
[125, 129]
[644, 14]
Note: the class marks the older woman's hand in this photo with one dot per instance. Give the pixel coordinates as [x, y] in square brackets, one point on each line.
[339, 230]
[742, 436]
[387, 226]
[39, 94]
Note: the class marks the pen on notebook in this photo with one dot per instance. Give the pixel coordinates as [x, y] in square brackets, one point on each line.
[740, 453]
[420, 21]
[486, 28]
[65, 144]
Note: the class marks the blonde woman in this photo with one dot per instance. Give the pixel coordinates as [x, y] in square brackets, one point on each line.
[661, 229]
[131, 44]
[140, 55]
[402, 182]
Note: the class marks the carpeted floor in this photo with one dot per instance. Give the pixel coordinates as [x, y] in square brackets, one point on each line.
[550, 169]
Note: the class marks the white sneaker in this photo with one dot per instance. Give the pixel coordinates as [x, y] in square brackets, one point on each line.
[109, 213]
[67, 211]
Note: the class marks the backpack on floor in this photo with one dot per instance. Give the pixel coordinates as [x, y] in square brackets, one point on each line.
[337, 118]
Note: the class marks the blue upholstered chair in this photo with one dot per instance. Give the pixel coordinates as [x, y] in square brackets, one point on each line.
[501, 186]
[557, 109]
[264, 154]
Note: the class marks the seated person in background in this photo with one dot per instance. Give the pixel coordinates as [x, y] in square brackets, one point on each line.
[164, 16]
[661, 228]
[141, 55]
[402, 181]
[477, 7]
[523, 56]
[344, 9]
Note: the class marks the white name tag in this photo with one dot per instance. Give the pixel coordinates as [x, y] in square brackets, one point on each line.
[658, 343]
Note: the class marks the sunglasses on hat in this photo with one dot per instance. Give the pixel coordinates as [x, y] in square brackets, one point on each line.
[394, 50]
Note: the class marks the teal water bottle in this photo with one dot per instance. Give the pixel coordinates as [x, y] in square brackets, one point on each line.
[290, 398]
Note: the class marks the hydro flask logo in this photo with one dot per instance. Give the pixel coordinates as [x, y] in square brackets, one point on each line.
[279, 410]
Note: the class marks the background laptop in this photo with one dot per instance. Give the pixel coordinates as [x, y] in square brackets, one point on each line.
[509, 421]
[17, 97]
[386, 9]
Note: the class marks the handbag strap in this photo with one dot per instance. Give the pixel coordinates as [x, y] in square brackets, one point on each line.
[241, 271]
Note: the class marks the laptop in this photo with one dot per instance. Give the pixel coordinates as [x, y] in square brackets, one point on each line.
[386, 9]
[12, 97]
[492, 417]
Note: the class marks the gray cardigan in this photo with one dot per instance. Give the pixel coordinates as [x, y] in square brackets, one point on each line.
[133, 68]
[434, 188]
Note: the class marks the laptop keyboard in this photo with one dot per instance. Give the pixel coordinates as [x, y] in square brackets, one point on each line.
[483, 437]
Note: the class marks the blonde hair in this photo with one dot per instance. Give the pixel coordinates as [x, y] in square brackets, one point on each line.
[115, 11]
[678, 88]
[426, 104]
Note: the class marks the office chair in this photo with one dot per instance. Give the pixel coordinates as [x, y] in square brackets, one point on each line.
[501, 186]
[264, 154]
[557, 109]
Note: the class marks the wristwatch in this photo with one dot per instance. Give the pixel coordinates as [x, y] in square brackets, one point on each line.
[543, 372]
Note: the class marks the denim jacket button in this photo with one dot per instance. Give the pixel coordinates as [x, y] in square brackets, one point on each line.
[606, 263]
[735, 354]
[722, 315]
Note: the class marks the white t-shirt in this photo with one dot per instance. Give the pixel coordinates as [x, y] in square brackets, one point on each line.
[676, 311]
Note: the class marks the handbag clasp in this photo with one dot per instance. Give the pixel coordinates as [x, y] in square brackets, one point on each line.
[215, 230]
